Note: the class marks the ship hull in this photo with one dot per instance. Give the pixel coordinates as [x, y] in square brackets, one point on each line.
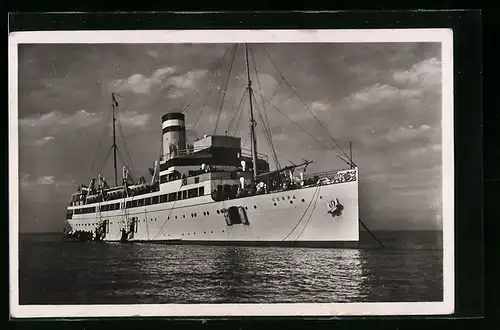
[318, 216]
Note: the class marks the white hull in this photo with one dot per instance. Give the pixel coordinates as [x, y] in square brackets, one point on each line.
[300, 217]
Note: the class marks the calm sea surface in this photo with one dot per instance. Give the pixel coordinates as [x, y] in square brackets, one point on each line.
[55, 272]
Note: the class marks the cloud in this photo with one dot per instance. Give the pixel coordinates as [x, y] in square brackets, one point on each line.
[141, 84]
[320, 106]
[46, 180]
[43, 141]
[133, 119]
[425, 73]
[187, 80]
[406, 133]
[422, 151]
[81, 118]
[379, 93]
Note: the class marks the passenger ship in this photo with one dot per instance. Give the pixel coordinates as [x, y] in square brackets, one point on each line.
[215, 192]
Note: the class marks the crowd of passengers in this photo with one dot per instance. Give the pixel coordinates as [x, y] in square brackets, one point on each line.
[280, 182]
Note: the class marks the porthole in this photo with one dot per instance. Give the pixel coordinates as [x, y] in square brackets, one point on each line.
[195, 215]
[283, 197]
[291, 202]
[176, 217]
[273, 199]
[288, 197]
[208, 213]
[211, 232]
[320, 197]
[204, 232]
[303, 200]
[218, 212]
[168, 218]
[274, 204]
[204, 213]
[183, 215]
[293, 197]
[246, 207]
[222, 230]
[255, 206]
[182, 234]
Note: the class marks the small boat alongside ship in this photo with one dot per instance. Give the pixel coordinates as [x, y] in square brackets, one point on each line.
[213, 191]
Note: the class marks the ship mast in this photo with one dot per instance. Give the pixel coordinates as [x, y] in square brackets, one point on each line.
[115, 104]
[252, 121]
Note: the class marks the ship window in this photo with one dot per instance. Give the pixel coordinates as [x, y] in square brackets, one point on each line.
[171, 197]
[193, 193]
[179, 195]
[183, 215]
[218, 212]
[201, 191]
[140, 202]
[154, 199]
[208, 213]
[184, 194]
[197, 180]
[147, 201]
[291, 202]
[163, 198]
[111, 207]
[134, 203]
[117, 206]
[211, 232]
[128, 204]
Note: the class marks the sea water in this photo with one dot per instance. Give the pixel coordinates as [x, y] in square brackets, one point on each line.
[52, 271]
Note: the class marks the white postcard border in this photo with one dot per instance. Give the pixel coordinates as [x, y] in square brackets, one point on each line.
[444, 36]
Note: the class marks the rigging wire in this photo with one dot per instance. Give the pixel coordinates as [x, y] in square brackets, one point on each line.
[316, 192]
[267, 134]
[225, 88]
[211, 90]
[305, 105]
[237, 113]
[213, 71]
[100, 143]
[326, 146]
[264, 108]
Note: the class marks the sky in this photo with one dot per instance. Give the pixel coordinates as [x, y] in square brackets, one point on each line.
[383, 97]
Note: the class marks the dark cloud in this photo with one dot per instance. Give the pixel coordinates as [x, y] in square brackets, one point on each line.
[384, 98]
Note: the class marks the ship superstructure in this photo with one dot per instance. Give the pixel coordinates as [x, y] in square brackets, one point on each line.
[213, 191]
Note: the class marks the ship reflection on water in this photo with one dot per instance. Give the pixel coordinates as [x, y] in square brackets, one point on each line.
[289, 275]
[114, 273]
